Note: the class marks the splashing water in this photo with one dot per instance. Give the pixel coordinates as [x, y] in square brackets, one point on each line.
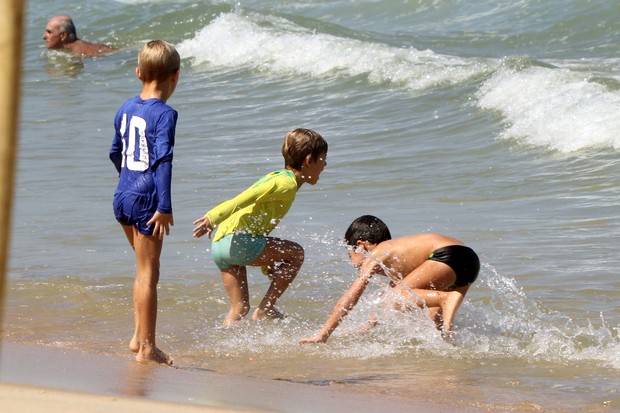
[508, 323]
[497, 320]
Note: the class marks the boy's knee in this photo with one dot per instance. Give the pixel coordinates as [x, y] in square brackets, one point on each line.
[298, 255]
[301, 252]
[148, 279]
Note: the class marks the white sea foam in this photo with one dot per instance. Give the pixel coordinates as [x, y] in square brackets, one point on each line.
[559, 109]
[554, 108]
[279, 46]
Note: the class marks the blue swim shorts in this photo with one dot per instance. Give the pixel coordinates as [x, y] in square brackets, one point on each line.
[135, 209]
[237, 249]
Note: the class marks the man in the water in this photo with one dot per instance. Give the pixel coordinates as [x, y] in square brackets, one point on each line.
[60, 34]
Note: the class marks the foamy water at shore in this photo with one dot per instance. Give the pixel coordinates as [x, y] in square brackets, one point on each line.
[495, 125]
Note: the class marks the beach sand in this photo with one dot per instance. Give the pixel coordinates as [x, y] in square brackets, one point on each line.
[37, 378]
[18, 398]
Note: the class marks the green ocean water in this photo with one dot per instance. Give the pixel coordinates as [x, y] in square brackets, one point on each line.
[495, 123]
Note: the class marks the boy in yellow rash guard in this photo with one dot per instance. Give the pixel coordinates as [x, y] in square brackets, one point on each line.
[245, 221]
[258, 209]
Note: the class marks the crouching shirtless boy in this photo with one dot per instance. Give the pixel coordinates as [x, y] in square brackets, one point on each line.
[432, 270]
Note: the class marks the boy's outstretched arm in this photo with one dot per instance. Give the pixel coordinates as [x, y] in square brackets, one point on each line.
[162, 222]
[341, 309]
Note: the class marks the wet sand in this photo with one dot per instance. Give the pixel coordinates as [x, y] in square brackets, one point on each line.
[36, 378]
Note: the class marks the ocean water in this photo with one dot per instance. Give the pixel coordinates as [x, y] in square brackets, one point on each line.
[493, 122]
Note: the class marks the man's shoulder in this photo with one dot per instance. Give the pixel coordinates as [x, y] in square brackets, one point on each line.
[90, 49]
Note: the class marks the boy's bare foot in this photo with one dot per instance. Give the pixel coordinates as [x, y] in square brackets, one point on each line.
[449, 304]
[153, 354]
[271, 313]
[134, 345]
[234, 317]
[314, 339]
[231, 322]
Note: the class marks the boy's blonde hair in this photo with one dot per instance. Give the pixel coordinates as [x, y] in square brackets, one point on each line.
[157, 61]
[298, 144]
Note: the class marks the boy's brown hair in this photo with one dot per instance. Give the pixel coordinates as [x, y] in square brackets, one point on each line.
[299, 143]
[157, 61]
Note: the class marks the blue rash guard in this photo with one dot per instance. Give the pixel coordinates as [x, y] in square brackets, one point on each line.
[142, 154]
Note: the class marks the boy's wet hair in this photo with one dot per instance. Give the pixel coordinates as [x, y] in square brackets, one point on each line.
[157, 61]
[298, 144]
[367, 228]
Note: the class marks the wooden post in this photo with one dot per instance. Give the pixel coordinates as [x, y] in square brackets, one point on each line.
[11, 21]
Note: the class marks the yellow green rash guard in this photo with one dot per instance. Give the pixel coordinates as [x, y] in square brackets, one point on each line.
[258, 209]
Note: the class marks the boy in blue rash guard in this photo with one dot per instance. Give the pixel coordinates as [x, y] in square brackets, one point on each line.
[434, 271]
[142, 154]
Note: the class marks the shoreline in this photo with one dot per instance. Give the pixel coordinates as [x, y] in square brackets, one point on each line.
[38, 378]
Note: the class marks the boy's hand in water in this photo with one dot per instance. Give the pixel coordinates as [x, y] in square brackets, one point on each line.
[319, 338]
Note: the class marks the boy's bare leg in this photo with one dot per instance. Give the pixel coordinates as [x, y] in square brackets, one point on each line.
[450, 303]
[429, 282]
[148, 250]
[133, 344]
[284, 258]
[435, 314]
[442, 305]
[447, 301]
[430, 275]
[236, 283]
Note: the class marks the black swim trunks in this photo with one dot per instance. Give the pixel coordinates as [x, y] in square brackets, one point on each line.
[463, 260]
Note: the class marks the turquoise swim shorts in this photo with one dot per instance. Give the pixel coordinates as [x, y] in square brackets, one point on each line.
[237, 249]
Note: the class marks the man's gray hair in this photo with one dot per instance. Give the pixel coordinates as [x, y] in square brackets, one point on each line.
[65, 25]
